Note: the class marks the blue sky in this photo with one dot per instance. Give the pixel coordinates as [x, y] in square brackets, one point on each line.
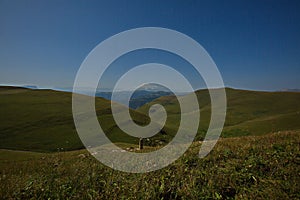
[255, 44]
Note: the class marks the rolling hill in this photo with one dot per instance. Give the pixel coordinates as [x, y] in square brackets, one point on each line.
[258, 166]
[248, 112]
[41, 120]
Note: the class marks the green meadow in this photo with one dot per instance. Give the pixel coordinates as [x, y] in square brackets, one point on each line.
[257, 156]
[248, 112]
[250, 167]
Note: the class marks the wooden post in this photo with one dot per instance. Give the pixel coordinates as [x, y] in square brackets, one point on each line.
[141, 144]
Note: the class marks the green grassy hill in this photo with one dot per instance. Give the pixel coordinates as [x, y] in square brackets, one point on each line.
[41, 120]
[264, 166]
[248, 112]
[37, 120]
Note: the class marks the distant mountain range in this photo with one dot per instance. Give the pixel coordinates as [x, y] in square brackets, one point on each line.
[290, 90]
[138, 98]
[30, 86]
[144, 94]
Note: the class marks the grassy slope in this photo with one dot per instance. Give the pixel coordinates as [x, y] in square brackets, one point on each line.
[248, 112]
[41, 120]
[253, 167]
[36, 120]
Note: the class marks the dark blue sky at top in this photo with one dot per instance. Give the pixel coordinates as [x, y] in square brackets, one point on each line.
[255, 44]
